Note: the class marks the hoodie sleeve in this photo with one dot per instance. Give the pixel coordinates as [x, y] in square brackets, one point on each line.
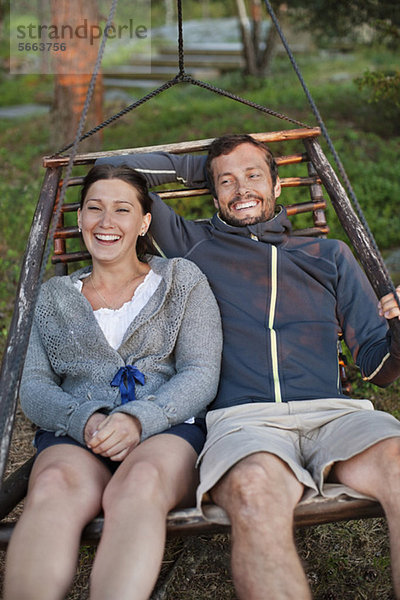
[161, 167]
[375, 348]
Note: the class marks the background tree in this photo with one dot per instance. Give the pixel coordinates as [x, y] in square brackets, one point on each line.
[343, 24]
[345, 19]
[73, 69]
[258, 48]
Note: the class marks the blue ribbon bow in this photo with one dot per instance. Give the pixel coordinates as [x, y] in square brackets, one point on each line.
[125, 379]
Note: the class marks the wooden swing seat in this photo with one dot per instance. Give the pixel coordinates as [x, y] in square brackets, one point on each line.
[189, 521]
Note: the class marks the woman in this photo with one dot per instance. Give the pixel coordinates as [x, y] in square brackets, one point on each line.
[121, 354]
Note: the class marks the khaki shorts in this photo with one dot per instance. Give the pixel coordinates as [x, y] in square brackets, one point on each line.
[308, 435]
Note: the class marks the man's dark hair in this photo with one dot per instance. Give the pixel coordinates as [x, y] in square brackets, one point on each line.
[226, 143]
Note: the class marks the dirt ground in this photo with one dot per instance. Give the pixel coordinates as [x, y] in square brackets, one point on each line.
[343, 561]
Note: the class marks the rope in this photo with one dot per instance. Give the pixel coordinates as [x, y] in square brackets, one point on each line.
[77, 140]
[260, 107]
[121, 113]
[181, 55]
[9, 407]
[332, 149]
[181, 77]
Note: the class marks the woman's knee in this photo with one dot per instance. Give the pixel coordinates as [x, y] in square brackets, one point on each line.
[64, 485]
[144, 483]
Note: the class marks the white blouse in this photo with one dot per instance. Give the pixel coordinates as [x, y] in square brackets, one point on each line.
[114, 323]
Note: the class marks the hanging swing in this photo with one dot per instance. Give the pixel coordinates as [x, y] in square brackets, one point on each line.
[48, 224]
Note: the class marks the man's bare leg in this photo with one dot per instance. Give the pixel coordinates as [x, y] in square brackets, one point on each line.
[259, 495]
[376, 472]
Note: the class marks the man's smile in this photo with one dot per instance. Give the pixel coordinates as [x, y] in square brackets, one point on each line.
[238, 205]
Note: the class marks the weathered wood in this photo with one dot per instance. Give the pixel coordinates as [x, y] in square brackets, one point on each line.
[368, 255]
[187, 522]
[303, 207]
[349, 220]
[298, 181]
[18, 336]
[14, 488]
[317, 197]
[70, 257]
[67, 232]
[183, 147]
[311, 231]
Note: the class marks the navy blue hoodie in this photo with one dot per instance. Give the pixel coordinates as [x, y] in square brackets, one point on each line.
[283, 299]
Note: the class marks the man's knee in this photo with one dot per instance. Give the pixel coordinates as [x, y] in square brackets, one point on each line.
[388, 460]
[259, 483]
[375, 471]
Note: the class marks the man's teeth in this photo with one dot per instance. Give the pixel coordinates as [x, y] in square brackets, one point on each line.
[249, 204]
[107, 238]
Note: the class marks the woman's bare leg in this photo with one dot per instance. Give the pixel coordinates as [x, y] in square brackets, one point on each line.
[64, 494]
[157, 476]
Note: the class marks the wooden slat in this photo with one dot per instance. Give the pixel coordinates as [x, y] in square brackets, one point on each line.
[298, 181]
[66, 233]
[190, 521]
[311, 231]
[70, 257]
[20, 327]
[183, 147]
[290, 159]
[303, 207]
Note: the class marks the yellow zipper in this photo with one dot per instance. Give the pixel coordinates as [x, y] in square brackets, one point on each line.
[272, 332]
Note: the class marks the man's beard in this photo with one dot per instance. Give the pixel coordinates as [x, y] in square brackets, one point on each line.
[230, 218]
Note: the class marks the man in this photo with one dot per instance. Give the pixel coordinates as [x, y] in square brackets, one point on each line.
[280, 425]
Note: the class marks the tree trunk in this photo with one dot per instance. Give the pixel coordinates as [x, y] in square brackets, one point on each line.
[257, 57]
[271, 44]
[169, 12]
[73, 70]
[248, 45]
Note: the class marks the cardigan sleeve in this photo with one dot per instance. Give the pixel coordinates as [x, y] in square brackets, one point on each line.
[44, 401]
[197, 364]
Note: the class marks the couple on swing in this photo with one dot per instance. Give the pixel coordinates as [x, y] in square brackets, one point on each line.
[125, 357]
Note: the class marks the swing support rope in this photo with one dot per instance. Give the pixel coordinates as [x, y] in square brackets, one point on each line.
[12, 364]
[332, 148]
[182, 77]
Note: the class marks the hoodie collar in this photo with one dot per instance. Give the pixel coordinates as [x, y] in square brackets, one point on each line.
[273, 231]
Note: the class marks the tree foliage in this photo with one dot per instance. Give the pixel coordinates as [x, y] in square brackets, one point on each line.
[348, 18]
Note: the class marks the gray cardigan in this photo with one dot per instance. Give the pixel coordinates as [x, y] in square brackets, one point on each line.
[175, 341]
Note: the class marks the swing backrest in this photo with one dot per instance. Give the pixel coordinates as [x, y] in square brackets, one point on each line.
[315, 205]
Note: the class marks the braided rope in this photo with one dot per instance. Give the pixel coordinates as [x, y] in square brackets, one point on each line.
[181, 54]
[78, 138]
[335, 155]
[181, 77]
[8, 413]
[122, 112]
[260, 107]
